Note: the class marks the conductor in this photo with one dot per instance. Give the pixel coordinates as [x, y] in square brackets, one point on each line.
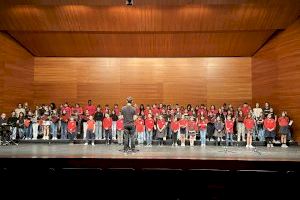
[129, 116]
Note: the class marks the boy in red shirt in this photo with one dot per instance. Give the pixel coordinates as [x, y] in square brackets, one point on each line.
[120, 129]
[91, 108]
[245, 109]
[139, 127]
[229, 123]
[284, 128]
[107, 126]
[149, 122]
[270, 125]
[175, 129]
[192, 128]
[90, 130]
[161, 129]
[183, 129]
[27, 123]
[71, 129]
[202, 124]
[249, 123]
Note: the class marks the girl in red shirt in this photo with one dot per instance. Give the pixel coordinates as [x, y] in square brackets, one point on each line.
[249, 123]
[183, 129]
[202, 124]
[192, 128]
[161, 130]
[71, 129]
[270, 125]
[229, 124]
[149, 122]
[284, 128]
[90, 130]
[139, 127]
[107, 125]
[120, 129]
[175, 130]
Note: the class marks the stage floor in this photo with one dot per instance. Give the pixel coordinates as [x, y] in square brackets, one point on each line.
[154, 152]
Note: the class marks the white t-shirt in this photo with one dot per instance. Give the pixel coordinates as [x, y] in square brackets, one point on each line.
[257, 112]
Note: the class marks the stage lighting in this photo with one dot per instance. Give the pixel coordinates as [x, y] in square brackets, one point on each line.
[129, 2]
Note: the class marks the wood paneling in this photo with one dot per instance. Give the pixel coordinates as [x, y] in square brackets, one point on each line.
[16, 74]
[276, 73]
[64, 44]
[147, 15]
[148, 80]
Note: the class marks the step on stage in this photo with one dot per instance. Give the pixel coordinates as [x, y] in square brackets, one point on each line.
[215, 172]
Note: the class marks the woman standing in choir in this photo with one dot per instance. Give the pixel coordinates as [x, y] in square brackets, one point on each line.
[219, 130]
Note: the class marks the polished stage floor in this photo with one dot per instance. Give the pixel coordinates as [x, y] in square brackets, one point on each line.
[155, 152]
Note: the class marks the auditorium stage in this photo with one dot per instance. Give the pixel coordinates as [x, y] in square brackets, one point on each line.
[167, 157]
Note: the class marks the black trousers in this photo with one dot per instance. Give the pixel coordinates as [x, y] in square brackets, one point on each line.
[174, 137]
[108, 136]
[129, 131]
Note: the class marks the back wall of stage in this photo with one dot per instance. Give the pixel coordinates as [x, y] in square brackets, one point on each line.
[148, 80]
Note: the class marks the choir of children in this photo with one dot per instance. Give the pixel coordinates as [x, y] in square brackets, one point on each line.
[154, 122]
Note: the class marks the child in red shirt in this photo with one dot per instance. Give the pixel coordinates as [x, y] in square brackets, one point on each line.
[229, 124]
[149, 122]
[183, 129]
[90, 130]
[192, 128]
[284, 128]
[202, 124]
[107, 125]
[120, 129]
[72, 129]
[139, 127]
[249, 123]
[270, 125]
[161, 129]
[175, 129]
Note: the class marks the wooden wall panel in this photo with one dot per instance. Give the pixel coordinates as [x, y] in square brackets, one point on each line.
[276, 73]
[148, 80]
[16, 74]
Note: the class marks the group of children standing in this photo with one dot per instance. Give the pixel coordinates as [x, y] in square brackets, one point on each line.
[159, 122]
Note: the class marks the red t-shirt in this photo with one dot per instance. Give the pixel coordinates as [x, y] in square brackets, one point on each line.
[161, 123]
[203, 124]
[175, 126]
[192, 126]
[249, 123]
[91, 109]
[71, 126]
[117, 111]
[120, 125]
[77, 110]
[183, 123]
[146, 112]
[68, 110]
[283, 121]
[149, 123]
[107, 123]
[65, 118]
[139, 124]
[26, 123]
[245, 110]
[90, 124]
[229, 126]
[269, 124]
[155, 111]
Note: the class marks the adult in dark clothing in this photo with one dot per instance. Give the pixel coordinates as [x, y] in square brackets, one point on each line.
[129, 116]
[3, 129]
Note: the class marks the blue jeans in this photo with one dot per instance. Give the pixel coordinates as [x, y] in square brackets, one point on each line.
[203, 136]
[63, 130]
[14, 132]
[229, 138]
[26, 132]
[148, 137]
[30, 130]
[140, 137]
[261, 135]
[21, 133]
[114, 129]
[98, 130]
[120, 136]
[53, 127]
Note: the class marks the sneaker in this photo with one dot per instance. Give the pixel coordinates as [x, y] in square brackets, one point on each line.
[150, 145]
[247, 146]
[271, 145]
[182, 144]
[282, 145]
[192, 145]
[93, 144]
[176, 144]
[250, 146]
[86, 144]
[212, 140]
